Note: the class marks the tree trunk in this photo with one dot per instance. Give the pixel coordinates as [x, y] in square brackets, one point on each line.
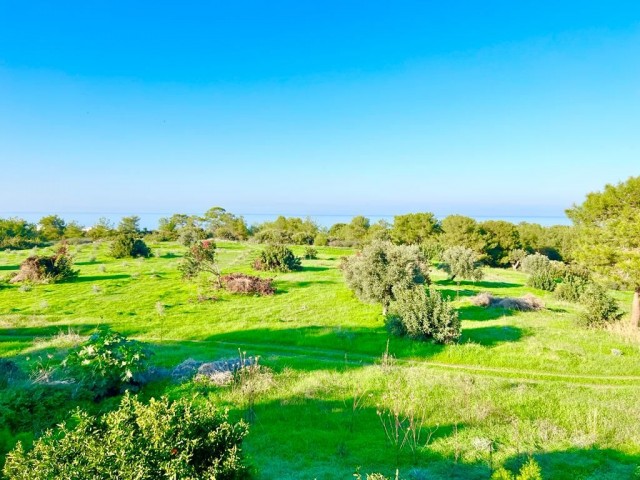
[635, 309]
[384, 310]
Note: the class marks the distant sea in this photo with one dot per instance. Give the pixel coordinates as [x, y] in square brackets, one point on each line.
[150, 220]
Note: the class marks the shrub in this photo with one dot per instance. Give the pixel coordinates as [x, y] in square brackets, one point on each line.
[277, 257]
[600, 309]
[310, 253]
[161, 439]
[575, 281]
[201, 257]
[127, 245]
[541, 272]
[107, 363]
[242, 283]
[529, 471]
[381, 269]
[423, 315]
[321, 240]
[55, 268]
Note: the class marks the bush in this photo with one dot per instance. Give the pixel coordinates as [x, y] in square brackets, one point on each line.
[201, 257]
[106, 364]
[423, 315]
[541, 272]
[127, 245]
[600, 309]
[321, 240]
[529, 471]
[242, 283]
[310, 253]
[161, 439]
[575, 281]
[277, 257]
[42, 269]
[381, 269]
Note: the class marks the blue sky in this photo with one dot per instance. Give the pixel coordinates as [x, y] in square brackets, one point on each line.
[482, 108]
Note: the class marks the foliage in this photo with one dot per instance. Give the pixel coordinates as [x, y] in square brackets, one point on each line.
[287, 230]
[243, 283]
[423, 315]
[414, 228]
[381, 269]
[200, 257]
[461, 262]
[321, 240]
[516, 257]
[106, 364]
[600, 309]
[129, 225]
[17, 233]
[575, 281]
[222, 224]
[127, 245]
[74, 230]
[432, 250]
[458, 230]
[310, 253]
[161, 439]
[278, 258]
[103, 229]
[43, 269]
[501, 238]
[541, 272]
[608, 225]
[51, 227]
[528, 471]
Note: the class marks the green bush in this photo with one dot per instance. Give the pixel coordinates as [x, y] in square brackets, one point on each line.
[528, 471]
[106, 364]
[310, 253]
[127, 245]
[541, 272]
[574, 283]
[600, 309]
[461, 262]
[423, 315]
[277, 257]
[321, 240]
[161, 439]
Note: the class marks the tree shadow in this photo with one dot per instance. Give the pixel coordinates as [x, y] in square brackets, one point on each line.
[315, 268]
[97, 278]
[9, 267]
[479, 284]
[474, 312]
[91, 262]
[492, 336]
[283, 286]
[451, 294]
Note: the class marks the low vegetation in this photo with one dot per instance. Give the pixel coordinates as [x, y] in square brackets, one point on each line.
[277, 258]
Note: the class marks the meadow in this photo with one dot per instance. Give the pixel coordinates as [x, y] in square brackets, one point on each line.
[518, 384]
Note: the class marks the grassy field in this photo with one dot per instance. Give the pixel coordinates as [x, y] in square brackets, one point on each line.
[518, 384]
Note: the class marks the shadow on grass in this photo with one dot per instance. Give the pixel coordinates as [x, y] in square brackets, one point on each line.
[310, 268]
[480, 284]
[98, 278]
[451, 294]
[9, 267]
[92, 262]
[473, 312]
[283, 286]
[492, 336]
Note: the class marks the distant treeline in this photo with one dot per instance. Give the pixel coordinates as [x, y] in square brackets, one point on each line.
[493, 240]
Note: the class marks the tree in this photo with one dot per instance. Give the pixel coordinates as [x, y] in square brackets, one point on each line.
[17, 233]
[461, 262]
[51, 227]
[103, 229]
[458, 230]
[129, 225]
[500, 239]
[74, 230]
[414, 228]
[223, 224]
[200, 257]
[608, 232]
[377, 272]
[127, 245]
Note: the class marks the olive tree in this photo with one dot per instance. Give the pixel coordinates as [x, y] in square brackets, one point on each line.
[461, 263]
[381, 269]
[608, 229]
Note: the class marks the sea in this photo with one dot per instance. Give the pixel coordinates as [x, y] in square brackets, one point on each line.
[150, 220]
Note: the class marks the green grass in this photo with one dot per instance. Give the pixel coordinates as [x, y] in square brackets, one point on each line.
[526, 383]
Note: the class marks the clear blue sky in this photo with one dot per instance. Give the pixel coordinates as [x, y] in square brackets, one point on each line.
[375, 107]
